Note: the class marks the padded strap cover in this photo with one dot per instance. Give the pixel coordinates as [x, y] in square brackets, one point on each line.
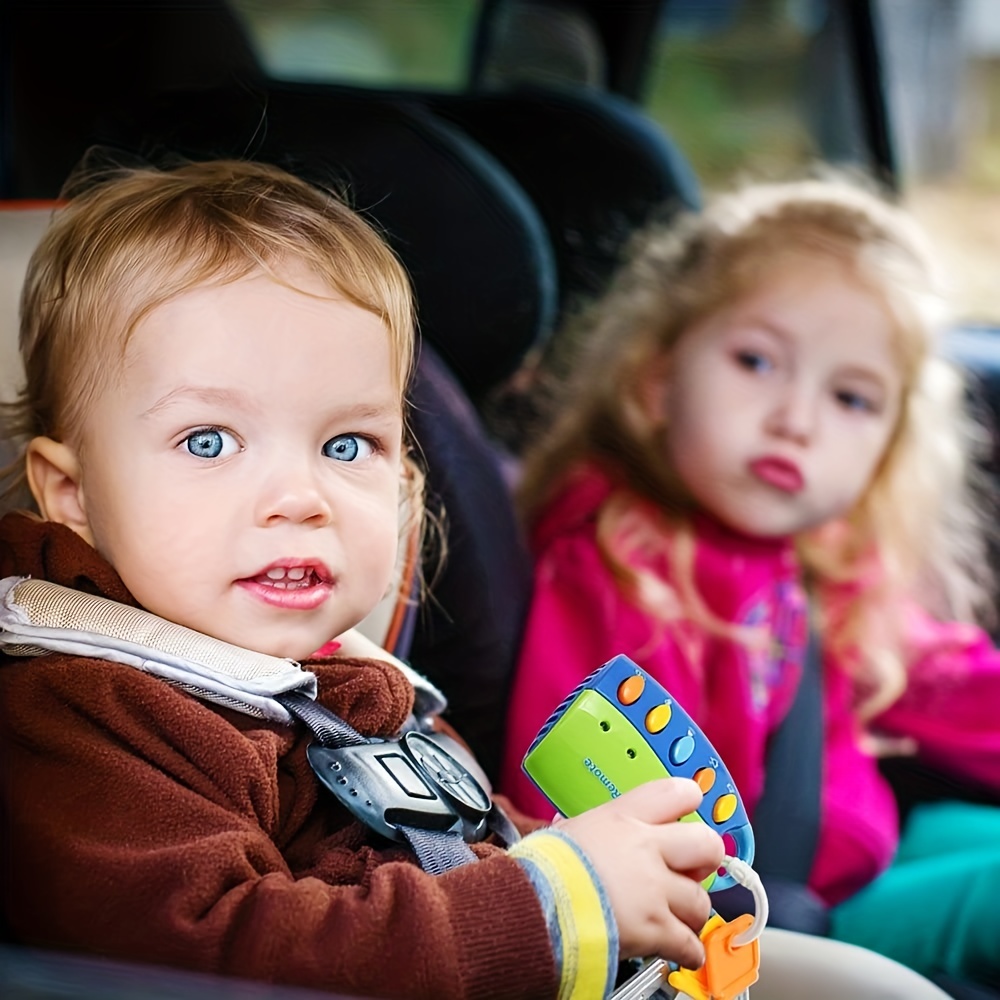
[37, 617]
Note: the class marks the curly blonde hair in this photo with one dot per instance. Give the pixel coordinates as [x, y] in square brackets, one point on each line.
[919, 518]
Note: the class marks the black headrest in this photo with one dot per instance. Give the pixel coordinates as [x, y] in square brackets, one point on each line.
[68, 64]
[595, 165]
[472, 241]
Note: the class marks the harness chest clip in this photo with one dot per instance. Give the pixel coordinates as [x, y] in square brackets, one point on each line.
[412, 782]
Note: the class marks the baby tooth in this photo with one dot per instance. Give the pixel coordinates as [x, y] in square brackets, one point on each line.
[296, 573]
[277, 573]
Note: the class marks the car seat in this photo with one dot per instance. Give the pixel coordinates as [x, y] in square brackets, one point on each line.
[65, 66]
[472, 241]
[485, 286]
[632, 170]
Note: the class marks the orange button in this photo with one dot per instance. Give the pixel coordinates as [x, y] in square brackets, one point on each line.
[705, 778]
[658, 717]
[725, 806]
[630, 689]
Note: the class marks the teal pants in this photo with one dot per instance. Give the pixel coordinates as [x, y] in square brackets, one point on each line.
[936, 908]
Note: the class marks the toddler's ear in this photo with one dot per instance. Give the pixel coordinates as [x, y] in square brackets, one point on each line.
[54, 477]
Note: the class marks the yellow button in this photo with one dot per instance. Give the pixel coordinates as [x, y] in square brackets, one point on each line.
[705, 778]
[725, 806]
[630, 689]
[657, 718]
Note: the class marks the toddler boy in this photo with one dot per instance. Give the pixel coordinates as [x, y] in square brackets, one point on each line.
[216, 361]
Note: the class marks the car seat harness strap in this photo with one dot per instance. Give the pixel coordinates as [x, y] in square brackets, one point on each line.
[416, 788]
[422, 788]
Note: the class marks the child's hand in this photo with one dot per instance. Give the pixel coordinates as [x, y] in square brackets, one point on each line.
[650, 867]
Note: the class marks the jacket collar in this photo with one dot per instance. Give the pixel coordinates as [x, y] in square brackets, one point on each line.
[30, 546]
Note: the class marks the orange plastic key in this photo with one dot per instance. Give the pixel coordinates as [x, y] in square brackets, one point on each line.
[728, 970]
[693, 982]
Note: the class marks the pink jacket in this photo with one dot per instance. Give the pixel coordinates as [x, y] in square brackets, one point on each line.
[579, 619]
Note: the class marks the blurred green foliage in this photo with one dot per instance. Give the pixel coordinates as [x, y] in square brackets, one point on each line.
[420, 43]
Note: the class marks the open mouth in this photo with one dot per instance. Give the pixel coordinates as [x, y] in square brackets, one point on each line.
[297, 585]
[289, 578]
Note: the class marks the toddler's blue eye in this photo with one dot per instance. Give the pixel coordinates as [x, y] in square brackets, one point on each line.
[347, 448]
[211, 442]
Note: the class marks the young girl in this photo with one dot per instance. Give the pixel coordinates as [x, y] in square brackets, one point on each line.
[761, 420]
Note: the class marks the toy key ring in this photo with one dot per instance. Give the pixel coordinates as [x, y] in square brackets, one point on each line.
[732, 955]
[749, 879]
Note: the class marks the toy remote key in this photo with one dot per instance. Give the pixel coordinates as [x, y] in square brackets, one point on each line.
[619, 729]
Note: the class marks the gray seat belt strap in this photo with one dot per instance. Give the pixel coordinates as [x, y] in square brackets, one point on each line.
[328, 727]
[787, 817]
[437, 851]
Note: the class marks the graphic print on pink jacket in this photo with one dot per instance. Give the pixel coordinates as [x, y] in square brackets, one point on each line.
[739, 692]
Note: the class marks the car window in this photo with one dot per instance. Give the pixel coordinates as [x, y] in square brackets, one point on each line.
[763, 88]
[942, 64]
[379, 43]
[756, 88]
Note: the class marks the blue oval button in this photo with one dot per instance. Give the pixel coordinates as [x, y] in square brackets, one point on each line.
[681, 749]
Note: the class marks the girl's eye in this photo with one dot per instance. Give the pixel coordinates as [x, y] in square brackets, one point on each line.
[753, 361]
[851, 400]
[348, 448]
[211, 442]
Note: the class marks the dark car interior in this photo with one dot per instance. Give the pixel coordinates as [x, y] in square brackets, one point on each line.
[509, 199]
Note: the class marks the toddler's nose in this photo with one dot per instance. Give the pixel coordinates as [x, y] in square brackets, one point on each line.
[294, 495]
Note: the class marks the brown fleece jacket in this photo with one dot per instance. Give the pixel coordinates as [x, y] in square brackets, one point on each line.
[143, 824]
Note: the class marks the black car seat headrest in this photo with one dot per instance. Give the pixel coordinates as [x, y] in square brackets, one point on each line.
[472, 241]
[595, 165]
[68, 65]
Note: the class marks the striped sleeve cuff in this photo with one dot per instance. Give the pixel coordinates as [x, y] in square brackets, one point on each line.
[581, 925]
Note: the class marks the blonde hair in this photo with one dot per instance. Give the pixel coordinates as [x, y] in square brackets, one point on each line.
[918, 519]
[133, 238]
